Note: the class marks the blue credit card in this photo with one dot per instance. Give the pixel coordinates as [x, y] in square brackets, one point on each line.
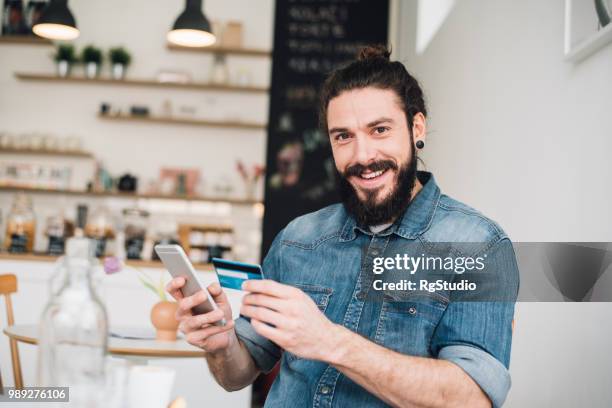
[232, 274]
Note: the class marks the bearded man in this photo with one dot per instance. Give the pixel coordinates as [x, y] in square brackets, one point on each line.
[341, 342]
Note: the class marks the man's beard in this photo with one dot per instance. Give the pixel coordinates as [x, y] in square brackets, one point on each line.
[368, 212]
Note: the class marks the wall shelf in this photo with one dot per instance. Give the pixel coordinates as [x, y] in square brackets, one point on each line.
[184, 121]
[40, 152]
[140, 82]
[249, 52]
[35, 190]
[39, 257]
[24, 39]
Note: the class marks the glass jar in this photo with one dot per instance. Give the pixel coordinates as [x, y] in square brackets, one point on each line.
[136, 222]
[57, 229]
[219, 73]
[165, 232]
[20, 225]
[99, 228]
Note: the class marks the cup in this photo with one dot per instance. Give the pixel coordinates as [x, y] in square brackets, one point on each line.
[150, 386]
[117, 371]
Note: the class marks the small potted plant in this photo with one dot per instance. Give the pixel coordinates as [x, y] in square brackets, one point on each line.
[92, 58]
[64, 58]
[120, 59]
[163, 312]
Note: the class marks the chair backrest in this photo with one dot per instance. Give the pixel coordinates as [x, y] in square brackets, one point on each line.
[8, 285]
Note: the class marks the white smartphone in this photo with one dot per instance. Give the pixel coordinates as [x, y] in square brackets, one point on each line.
[178, 265]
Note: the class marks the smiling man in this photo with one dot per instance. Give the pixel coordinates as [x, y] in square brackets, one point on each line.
[339, 341]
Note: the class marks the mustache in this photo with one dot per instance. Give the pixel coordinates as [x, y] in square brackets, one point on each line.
[381, 165]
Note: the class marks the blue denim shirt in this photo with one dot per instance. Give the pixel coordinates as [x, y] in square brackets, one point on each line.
[330, 258]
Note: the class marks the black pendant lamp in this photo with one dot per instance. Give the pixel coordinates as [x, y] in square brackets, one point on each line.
[192, 28]
[56, 22]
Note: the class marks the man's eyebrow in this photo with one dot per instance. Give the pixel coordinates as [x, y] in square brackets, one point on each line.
[338, 130]
[369, 125]
[379, 121]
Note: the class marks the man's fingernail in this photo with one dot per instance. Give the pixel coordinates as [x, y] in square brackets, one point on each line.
[244, 285]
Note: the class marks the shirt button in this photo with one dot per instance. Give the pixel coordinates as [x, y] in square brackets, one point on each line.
[412, 310]
[325, 390]
[375, 252]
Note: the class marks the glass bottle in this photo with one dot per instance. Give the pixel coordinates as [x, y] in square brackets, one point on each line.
[20, 225]
[136, 224]
[74, 332]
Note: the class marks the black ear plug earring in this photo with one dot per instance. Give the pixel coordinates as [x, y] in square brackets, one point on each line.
[420, 144]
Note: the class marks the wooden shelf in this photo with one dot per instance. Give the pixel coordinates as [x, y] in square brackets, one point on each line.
[250, 52]
[140, 82]
[24, 39]
[37, 257]
[34, 190]
[184, 121]
[40, 152]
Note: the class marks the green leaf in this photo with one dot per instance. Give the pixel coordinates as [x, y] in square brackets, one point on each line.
[149, 286]
[161, 287]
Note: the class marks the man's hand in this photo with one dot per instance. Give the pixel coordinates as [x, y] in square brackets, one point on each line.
[200, 330]
[288, 317]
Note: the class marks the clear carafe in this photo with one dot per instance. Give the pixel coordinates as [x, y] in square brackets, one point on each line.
[74, 332]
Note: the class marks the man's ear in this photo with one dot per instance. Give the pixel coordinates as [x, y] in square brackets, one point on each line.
[419, 127]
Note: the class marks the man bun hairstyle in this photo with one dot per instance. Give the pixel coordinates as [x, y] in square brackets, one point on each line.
[373, 67]
[374, 51]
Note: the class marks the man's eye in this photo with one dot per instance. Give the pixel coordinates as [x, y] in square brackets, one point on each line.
[380, 129]
[342, 136]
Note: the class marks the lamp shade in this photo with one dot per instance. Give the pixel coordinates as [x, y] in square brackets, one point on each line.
[192, 28]
[56, 22]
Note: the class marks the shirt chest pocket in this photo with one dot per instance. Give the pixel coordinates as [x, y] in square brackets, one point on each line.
[320, 296]
[406, 324]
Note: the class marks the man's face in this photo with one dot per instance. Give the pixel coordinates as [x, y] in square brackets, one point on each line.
[373, 152]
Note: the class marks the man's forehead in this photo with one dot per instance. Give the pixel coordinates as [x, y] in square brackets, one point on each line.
[357, 108]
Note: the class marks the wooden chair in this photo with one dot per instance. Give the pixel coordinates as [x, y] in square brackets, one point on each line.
[8, 285]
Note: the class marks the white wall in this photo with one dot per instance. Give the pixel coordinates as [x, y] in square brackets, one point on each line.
[514, 130]
[141, 26]
[63, 109]
[525, 137]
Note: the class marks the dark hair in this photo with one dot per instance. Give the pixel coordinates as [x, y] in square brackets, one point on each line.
[374, 68]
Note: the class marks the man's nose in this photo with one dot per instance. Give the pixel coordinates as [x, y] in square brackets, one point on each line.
[364, 150]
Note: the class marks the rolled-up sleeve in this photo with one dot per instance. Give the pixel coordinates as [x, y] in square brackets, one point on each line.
[264, 352]
[477, 335]
[488, 372]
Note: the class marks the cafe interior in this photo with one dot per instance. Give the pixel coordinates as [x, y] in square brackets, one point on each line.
[128, 124]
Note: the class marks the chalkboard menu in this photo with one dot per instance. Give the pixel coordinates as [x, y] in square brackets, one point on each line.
[311, 38]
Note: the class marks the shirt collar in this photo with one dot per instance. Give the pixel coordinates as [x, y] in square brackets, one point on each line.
[415, 220]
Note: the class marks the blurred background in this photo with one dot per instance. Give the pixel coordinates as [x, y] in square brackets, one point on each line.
[129, 137]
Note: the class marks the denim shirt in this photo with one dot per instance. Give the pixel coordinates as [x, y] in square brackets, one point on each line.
[330, 258]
